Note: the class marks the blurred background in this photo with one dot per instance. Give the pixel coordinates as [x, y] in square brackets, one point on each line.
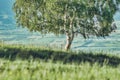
[11, 34]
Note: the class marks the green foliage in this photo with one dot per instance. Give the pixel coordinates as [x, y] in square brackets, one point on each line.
[72, 16]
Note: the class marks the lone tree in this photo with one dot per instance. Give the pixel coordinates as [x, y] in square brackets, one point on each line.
[69, 17]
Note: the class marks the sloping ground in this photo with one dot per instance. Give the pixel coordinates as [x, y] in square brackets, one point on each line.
[23, 52]
[25, 62]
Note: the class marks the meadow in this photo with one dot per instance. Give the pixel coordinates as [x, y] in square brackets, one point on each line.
[28, 62]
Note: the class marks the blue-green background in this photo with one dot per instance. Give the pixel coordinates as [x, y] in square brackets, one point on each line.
[10, 33]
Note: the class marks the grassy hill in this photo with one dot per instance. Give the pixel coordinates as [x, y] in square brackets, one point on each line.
[28, 62]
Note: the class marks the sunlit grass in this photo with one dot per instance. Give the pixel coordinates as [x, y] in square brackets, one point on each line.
[40, 70]
[29, 62]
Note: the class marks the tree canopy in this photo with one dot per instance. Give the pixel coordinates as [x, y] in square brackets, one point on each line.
[87, 17]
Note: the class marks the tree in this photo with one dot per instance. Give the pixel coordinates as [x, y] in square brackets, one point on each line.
[69, 17]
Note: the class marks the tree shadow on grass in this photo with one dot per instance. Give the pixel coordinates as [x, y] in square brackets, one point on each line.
[65, 57]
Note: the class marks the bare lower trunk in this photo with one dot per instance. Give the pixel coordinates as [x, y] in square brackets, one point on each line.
[69, 41]
[68, 44]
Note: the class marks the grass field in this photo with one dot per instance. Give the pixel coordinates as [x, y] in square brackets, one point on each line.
[19, 62]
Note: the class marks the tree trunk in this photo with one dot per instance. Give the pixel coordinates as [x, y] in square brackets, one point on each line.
[69, 40]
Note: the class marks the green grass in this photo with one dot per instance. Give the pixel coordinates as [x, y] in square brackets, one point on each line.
[20, 62]
[39, 70]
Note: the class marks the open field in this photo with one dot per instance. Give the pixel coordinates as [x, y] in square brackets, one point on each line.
[33, 56]
[39, 70]
[20, 62]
